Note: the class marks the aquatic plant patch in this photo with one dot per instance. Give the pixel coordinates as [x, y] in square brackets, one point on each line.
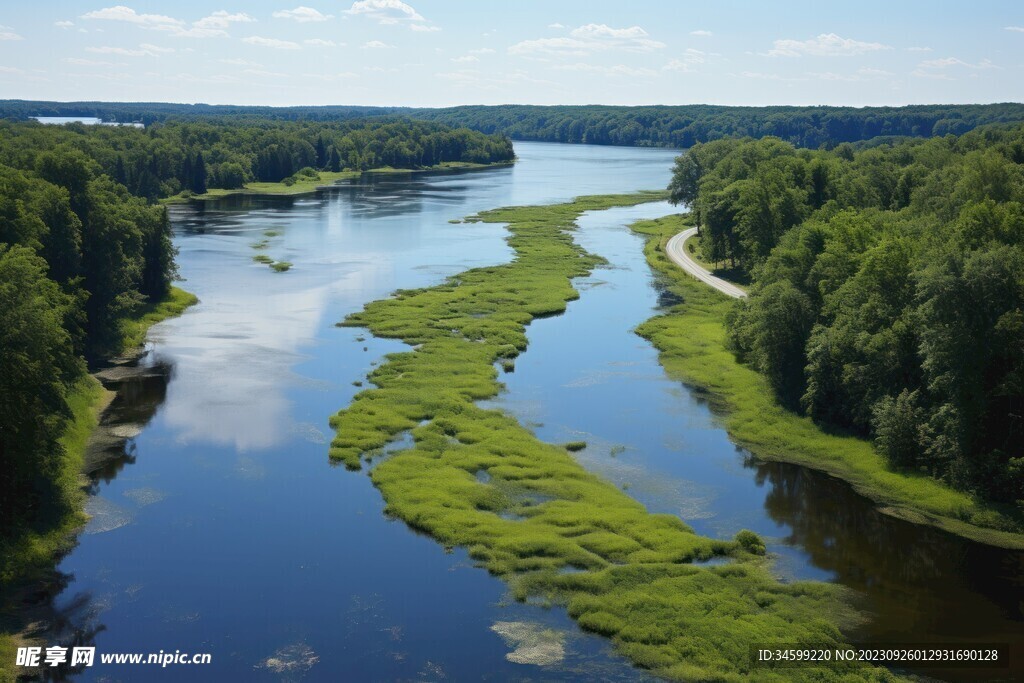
[527, 510]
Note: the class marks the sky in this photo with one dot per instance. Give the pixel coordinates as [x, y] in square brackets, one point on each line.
[443, 52]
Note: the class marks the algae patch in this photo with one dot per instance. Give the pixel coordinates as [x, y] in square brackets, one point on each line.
[531, 643]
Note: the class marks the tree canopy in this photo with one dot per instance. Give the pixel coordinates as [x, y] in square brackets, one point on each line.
[888, 289]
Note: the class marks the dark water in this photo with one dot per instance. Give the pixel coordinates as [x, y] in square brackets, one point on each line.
[220, 526]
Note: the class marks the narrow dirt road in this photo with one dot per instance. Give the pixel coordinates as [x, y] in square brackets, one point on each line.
[677, 252]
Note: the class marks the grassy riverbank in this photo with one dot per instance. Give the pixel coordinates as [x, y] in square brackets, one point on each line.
[691, 339]
[135, 328]
[32, 551]
[310, 184]
[527, 510]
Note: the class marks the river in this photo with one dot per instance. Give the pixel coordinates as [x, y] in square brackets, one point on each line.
[221, 527]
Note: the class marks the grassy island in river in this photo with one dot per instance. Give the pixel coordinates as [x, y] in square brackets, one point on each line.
[527, 510]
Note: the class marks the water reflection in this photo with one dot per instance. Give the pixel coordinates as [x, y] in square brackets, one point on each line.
[919, 584]
[240, 539]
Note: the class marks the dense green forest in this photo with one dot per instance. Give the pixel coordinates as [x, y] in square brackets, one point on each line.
[684, 126]
[78, 253]
[887, 290]
[83, 249]
[664, 126]
[165, 159]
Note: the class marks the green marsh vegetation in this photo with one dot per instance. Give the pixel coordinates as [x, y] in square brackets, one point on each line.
[263, 258]
[280, 266]
[692, 339]
[557, 533]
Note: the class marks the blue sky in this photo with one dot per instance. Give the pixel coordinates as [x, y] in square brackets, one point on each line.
[439, 53]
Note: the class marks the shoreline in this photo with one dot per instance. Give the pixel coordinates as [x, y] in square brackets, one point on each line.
[527, 510]
[690, 339]
[39, 552]
[328, 180]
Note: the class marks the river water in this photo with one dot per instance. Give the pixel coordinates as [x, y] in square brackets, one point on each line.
[219, 526]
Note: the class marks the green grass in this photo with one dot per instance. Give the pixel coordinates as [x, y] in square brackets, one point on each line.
[692, 340]
[263, 258]
[31, 552]
[280, 266]
[574, 446]
[540, 512]
[134, 328]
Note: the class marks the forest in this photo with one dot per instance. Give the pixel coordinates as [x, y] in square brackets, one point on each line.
[887, 290]
[662, 126]
[169, 158]
[84, 248]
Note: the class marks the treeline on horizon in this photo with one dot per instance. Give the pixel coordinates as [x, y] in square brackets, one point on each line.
[168, 158]
[663, 126]
[887, 294]
[84, 249]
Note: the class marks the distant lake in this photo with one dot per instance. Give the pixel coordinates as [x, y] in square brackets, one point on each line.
[87, 120]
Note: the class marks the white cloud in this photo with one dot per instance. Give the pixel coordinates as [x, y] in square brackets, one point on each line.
[1018, 29]
[302, 14]
[6, 33]
[340, 76]
[375, 45]
[617, 70]
[86, 62]
[587, 39]
[948, 62]
[770, 76]
[210, 26]
[127, 14]
[385, 11]
[687, 62]
[265, 74]
[320, 42]
[198, 32]
[860, 75]
[106, 50]
[555, 25]
[424, 28]
[825, 45]
[239, 62]
[155, 49]
[222, 20]
[700, 32]
[271, 42]
[64, 24]
[466, 59]
[918, 49]
[11, 70]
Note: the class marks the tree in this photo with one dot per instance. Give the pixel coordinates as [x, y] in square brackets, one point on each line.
[37, 363]
[198, 185]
